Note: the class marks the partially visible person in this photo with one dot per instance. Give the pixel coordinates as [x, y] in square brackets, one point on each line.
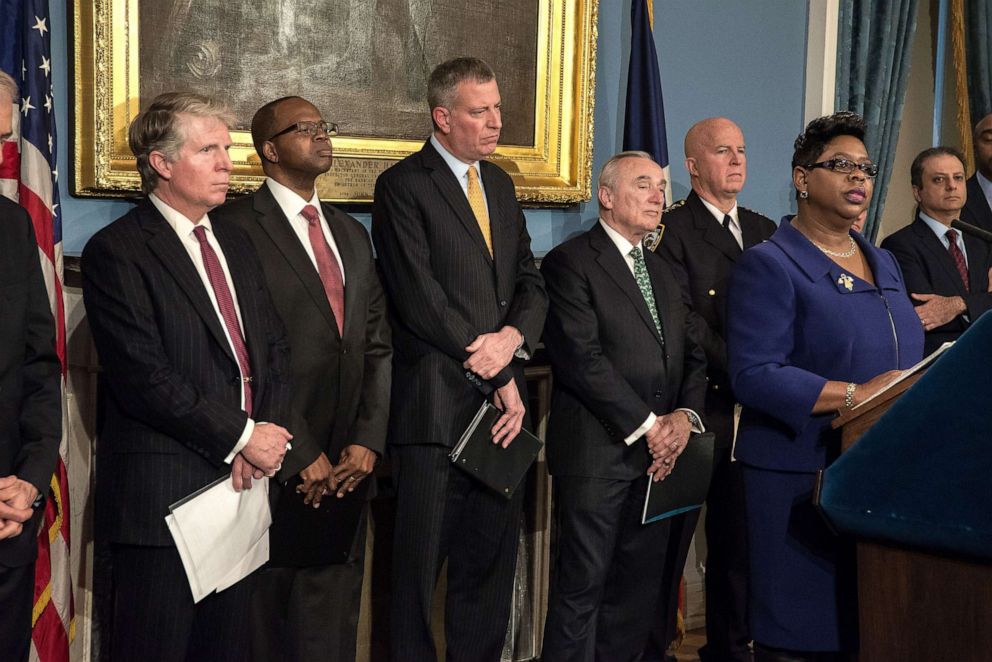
[978, 209]
[946, 271]
[467, 309]
[30, 407]
[319, 260]
[859, 222]
[195, 369]
[703, 237]
[818, 320]
[629, 378]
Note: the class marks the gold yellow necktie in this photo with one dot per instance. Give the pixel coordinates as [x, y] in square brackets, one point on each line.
[478, 204]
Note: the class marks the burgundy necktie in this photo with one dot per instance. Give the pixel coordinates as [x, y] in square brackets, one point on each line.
[226, 304]
[952, 248]
[327, 265]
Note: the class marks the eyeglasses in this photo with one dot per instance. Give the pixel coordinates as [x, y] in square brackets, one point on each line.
[847, 167]
[309, 129]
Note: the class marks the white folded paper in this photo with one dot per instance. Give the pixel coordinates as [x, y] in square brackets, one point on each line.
[222, 535]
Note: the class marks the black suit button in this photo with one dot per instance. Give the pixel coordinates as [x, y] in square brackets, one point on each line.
[503, 303]
[716, 387]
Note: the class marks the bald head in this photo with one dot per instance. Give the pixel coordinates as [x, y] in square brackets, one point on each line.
[715, 159]
[983, 146]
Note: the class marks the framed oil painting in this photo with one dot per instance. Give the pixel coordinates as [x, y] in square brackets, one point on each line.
[364, 64]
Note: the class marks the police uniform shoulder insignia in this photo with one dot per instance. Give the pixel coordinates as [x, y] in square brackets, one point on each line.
[653, 238]
[675, 205]
[751, 211]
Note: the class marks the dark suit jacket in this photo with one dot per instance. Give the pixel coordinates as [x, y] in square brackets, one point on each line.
[928, 268]
[445, 290]
[976, 209]
[30, 373]
[611, 369]
[702, 254]
[173, 384]
[340, 384]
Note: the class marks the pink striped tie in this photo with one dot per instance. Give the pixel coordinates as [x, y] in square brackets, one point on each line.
[226, 304]
[327, 265]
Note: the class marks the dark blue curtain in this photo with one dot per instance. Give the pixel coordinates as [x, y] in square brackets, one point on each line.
[873, 57]
[978, 22]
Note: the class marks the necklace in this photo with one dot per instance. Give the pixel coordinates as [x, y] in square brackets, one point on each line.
[848, 253]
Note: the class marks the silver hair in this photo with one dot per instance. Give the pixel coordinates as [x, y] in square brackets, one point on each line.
[608, 175]
[8, 86]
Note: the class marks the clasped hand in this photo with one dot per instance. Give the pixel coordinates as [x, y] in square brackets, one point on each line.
[261, 456]
[666, 440]
[16, 498]
[491, 352]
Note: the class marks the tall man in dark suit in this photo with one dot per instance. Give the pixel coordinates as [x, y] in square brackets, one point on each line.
[978, 209]
[467, 302]
[702, 237]
[195, 359]
[629, 379]
[946, 272]
[319, 260]
[30, 408]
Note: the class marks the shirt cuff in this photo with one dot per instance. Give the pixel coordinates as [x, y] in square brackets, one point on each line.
[639, 432]
[695, 418]
[242, 441]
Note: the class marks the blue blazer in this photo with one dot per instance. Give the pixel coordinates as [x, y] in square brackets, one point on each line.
[795, 320]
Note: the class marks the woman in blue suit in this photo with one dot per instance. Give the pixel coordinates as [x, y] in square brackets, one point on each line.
[818, 320]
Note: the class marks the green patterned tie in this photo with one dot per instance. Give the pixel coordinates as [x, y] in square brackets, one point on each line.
[644, 284]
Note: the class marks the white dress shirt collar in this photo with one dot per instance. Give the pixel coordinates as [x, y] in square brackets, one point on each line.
[735, 222]
[940, 230]
[289, 201]
[292, 205]
[176, 220]
[621, 243]
[458, 167]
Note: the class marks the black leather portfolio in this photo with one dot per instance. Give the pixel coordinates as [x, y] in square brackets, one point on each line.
[685, 488]
[500, 468]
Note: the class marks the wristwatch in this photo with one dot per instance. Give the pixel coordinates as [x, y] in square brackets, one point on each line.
[694, 421]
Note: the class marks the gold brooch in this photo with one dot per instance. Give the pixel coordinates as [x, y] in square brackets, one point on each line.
[846, 281]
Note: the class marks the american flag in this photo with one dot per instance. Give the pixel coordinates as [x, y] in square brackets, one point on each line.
[29, 175]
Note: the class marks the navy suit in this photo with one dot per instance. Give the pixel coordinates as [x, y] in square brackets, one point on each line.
[445, 289]
[976, 209]
[928, 268]
[30, 411]
[173, 413]
[795, 320]
[612, 368]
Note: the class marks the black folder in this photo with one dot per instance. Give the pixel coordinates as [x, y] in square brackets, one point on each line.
[500, 468]
[685, 488]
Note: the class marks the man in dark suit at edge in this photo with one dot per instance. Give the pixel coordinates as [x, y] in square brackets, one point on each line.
[30, 407]
[701, 239]
[467, 300]
[978, 209]
[319, 260]
[195, 359]
[628, 380]
[946, 272]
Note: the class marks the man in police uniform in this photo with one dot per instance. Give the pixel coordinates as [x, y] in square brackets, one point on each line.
[701, 238]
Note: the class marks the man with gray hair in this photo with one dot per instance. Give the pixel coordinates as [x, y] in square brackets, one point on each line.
[629, 379]
[467, 308]
[30, 407]
[194, 360]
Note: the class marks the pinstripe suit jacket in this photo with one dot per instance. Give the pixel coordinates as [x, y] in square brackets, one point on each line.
[172, 383]
[445, 290]
[30, 394]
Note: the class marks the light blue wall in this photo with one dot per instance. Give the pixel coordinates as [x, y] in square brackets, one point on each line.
[745, 60]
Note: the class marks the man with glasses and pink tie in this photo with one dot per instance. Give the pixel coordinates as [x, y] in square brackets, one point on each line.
[319, 261]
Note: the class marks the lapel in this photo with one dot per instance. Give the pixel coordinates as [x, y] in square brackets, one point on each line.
[451, 190]
[609, 258]
[975, 192]
[978, 252]
[711, 230]
[504, 241]
[275, 224]
[165, 244]
[245, 285]
[349, 266]
[935, 247]
[750, 229]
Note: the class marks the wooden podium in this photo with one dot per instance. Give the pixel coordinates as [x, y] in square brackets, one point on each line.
[915, 605]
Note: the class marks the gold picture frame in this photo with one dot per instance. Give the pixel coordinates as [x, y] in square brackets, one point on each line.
[556, 168]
